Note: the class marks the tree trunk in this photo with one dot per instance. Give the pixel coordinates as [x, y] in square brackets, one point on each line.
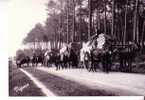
[90, 18]
[125, 26]
[73, 35]
[60, 31]
[98, 20]
[93, 24]
[137, 29]
[105, 23]
[50, 44]
[80, 22]
[67, 21]
[143, 34]
[135, 21]
[113, 15]
[122, 29]
[34, 47]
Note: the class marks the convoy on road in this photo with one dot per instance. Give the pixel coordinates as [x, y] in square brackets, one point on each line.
[100, 52]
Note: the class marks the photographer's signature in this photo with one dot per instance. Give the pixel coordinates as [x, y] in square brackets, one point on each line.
[20, 88]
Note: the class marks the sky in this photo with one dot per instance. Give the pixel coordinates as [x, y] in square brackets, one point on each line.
[22, 17]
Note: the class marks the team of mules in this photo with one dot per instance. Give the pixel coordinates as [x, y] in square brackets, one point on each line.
[98, 59]
[26, 60]
[91, 56]
[62, 59]
[106, 56]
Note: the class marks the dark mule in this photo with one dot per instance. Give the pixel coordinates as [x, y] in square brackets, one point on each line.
[22, 61]
[126, 55]
[58, 62]
[68, 58]
[107, 61]
[96, 58]
[126, 58]
[40, 59]
[51, 57]
[34, 60]
[72, 59]
[74, 54]
[37, 58]
[87, 59]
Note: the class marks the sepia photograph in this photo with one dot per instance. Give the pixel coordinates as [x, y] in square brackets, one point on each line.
[71, 48]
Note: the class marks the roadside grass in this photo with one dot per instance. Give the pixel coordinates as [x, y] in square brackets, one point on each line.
[140, 64]
[139, 69]
[18, 80]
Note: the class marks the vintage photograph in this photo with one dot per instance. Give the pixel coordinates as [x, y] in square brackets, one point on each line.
[76, 48]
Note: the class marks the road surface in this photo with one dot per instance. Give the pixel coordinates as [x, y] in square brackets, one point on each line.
[79, 82]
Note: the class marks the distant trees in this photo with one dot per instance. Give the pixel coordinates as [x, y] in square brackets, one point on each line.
[77, 20]
[37, 33]
[36, 36]
[20, 54]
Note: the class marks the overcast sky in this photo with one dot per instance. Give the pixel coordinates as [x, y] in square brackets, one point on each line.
[22, 17]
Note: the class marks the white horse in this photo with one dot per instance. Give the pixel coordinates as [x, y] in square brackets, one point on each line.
[64, 55]
[85, 52]
[46, 57]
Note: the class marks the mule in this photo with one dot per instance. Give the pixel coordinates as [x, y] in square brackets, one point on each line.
[72, 59]
[64, 57]
[22, 61]
[34, 60]
[51, 57]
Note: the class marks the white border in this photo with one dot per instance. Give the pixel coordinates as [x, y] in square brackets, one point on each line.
[4, 67]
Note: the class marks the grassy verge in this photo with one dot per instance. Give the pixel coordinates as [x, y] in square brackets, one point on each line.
[21, 85]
